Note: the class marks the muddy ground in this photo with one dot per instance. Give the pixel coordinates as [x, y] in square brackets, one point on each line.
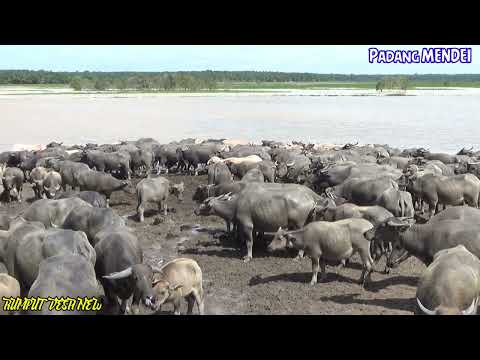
[269, 284]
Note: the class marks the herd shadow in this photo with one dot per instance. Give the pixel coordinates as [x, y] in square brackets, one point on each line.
[297, 277]
[305, 277]
[389, 303]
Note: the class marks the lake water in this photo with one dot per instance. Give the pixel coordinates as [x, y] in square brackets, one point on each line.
[443, 121]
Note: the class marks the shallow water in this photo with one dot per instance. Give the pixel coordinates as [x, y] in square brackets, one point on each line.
[441, 123]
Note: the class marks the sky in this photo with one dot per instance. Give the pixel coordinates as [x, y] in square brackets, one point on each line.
[345, 59]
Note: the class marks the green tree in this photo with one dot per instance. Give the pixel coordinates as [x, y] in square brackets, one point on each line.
[100, 84]
[76, 84]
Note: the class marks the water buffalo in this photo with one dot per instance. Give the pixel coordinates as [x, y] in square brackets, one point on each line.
[100, 182]
[253, 175]
[195, 155]
[398, 202]
[424, 240]
[363, 191]
[70, 172]
[266, 207]
[217, 206]
[29, 243]
[334, 242]
[9, 287]
[177, 279]
[267, 167]
[251, 159]
[219, 173]
[51, 184]
[374, 214]
[451, 284]
[37, 176]
[51, 212]
[205, 191]
[166, 156]
[141, 158]
[92, 197]
[110, 162]
[13, 179]
[66, 276]
[119, 266]
[446, 190]
[290, 171]
[91, 220]
[156, 190]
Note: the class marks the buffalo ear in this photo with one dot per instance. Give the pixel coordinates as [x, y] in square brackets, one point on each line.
[175, 287]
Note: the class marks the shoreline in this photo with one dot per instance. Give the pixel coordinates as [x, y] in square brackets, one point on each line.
[14, 92]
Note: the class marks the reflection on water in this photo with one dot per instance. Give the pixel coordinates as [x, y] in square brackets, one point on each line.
[441, 123]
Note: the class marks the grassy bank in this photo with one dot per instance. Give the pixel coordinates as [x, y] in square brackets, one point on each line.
[231, 87]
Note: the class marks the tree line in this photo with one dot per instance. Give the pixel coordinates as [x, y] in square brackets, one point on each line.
[197, 80]
[392, 83]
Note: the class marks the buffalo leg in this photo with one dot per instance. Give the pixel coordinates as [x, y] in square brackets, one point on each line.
[123, 306]
[176, 307]
[247, 237]
[190, 303]
[198, 296]
[165, 208]
[300, 255]
[140, 211]
[367, 265]
[315, 268]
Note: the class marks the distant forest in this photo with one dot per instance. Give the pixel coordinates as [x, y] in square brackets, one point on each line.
[200, 80]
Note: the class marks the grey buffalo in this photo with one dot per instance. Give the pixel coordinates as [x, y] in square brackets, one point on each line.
[110, 162]
[29, 243]
[451, 284]
[12, 180]
[141, 158]
[91, 220]
[37, 176]
[156, 190]
[52, 183]
[253, 175]
[363, 191]
[424, 240]
[119, 266]
[266, 207]
[51, 212]
[92, 197]
[218, 206]
[205, 191]
[446, 190]
[70, 172]
[70, 276]
[398, 202]
[219, 173]
[100, 182]
[333, 242]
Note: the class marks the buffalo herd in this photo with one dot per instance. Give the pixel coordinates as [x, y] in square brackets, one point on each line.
[327, 202]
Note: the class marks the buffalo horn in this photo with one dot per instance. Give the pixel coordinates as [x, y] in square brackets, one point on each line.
[119, 275]
[471, 309]
[424, 309]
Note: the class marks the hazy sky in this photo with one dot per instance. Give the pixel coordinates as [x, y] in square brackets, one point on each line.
[315, 58]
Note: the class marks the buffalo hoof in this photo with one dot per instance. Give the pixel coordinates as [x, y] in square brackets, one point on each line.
[247, 259]
[313, 283]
